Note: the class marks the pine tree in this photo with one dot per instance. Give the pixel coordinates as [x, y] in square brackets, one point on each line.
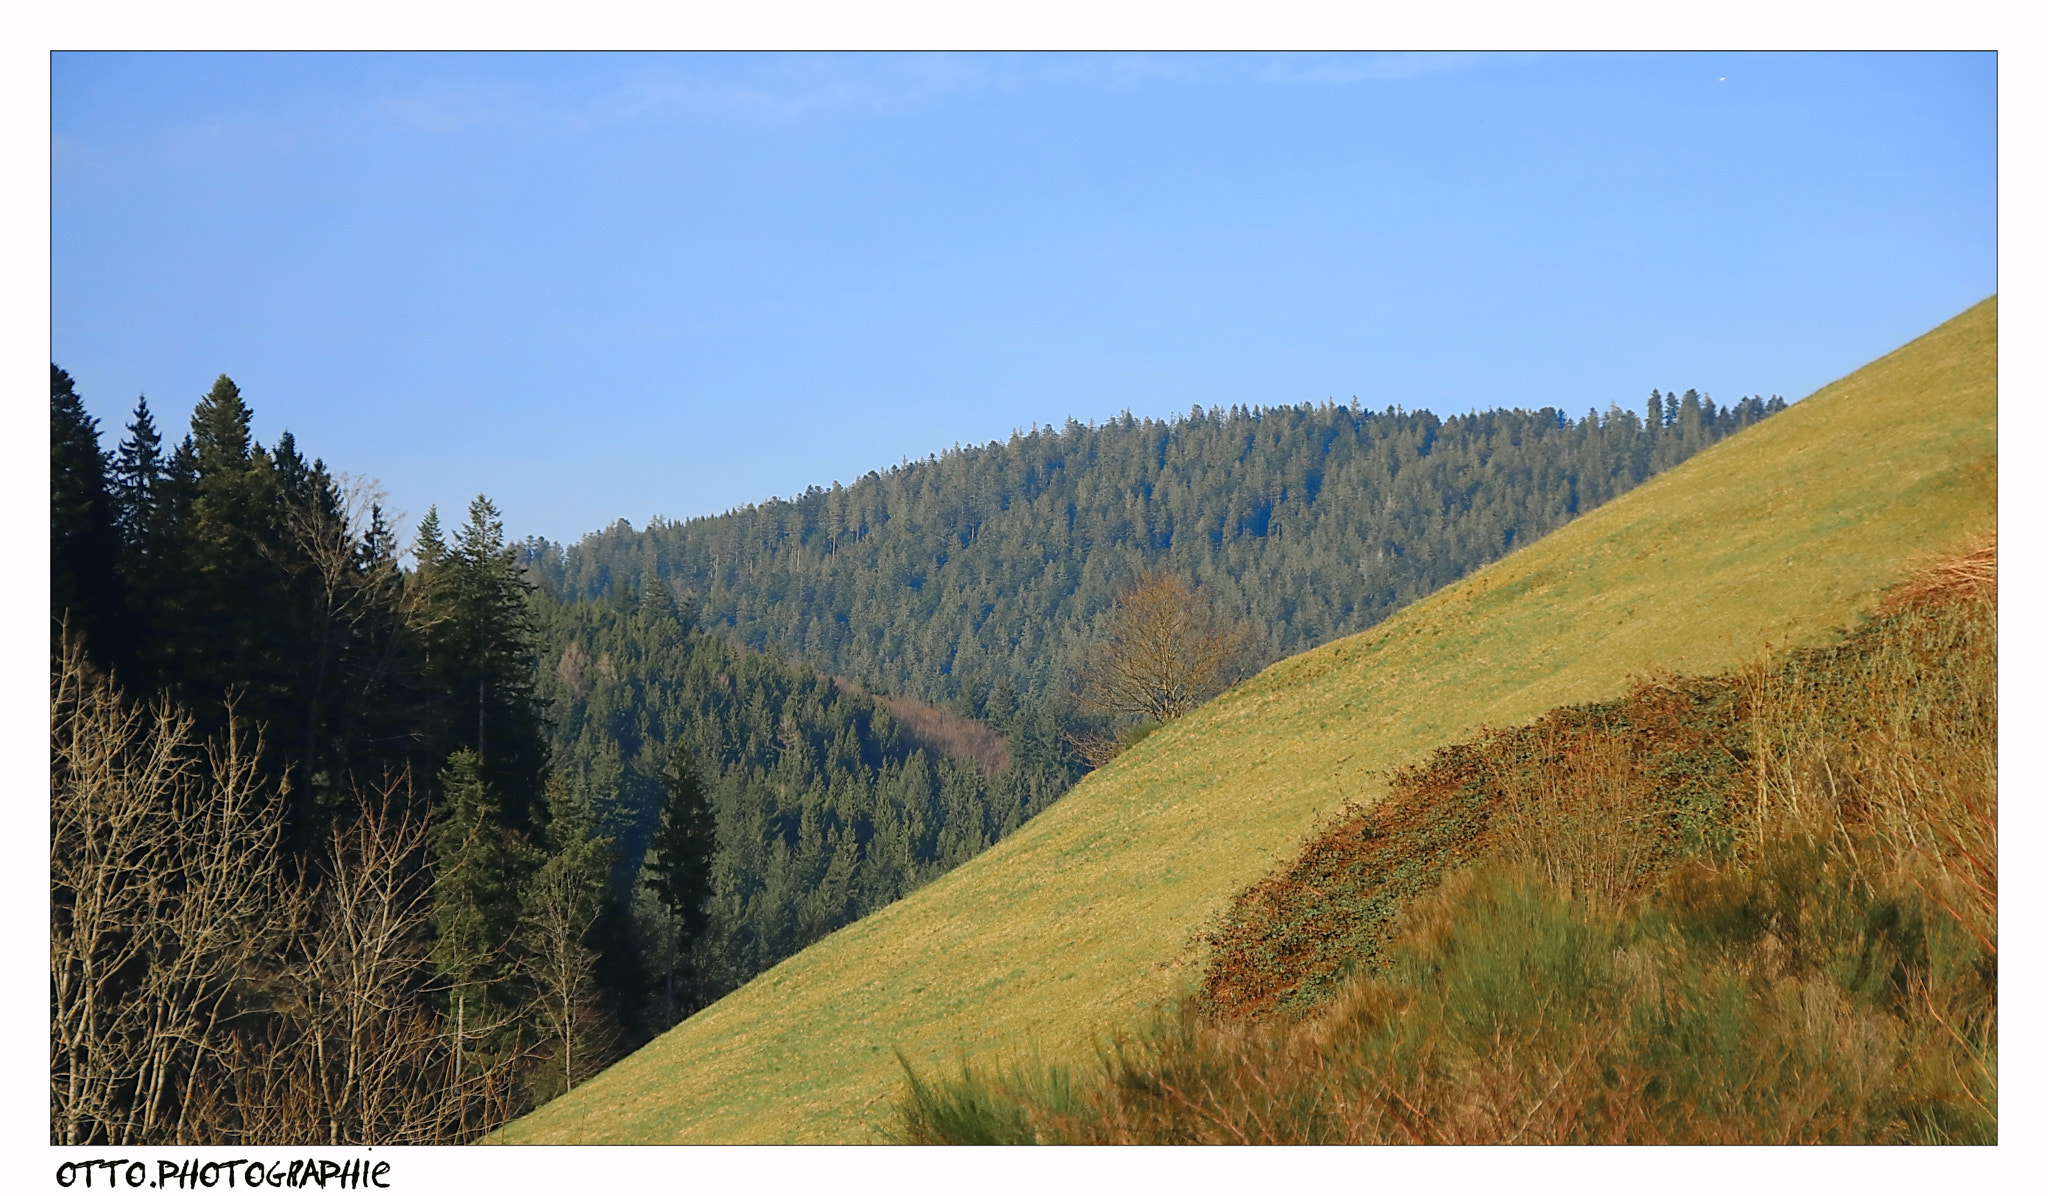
[428, 546]
[139, 486]
[138, 468]
[227, 632]
[482, 868]
[678, 867]
[679, 859]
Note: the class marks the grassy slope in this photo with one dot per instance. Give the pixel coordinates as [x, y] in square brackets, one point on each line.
[1089, 913]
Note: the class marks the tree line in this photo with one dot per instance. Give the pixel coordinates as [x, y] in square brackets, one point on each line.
[980, 577]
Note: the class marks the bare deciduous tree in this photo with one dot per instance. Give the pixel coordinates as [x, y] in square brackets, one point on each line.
[333, 538]
[1166, 651]
[198, 993]
[163, 873]
[563, 906]
[354, 1052]
[365, 1038]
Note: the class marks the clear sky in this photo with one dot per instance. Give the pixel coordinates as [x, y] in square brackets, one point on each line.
[611, 286]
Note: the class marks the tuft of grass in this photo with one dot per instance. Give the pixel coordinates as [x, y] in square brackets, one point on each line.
[1808, 957]
[965, 1111]
[1091, 914]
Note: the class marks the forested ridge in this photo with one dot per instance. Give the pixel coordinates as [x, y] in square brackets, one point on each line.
[990, 567]
[948, 579]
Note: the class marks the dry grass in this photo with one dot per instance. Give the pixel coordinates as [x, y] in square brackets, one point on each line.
[1090, 915]
[1827, 974]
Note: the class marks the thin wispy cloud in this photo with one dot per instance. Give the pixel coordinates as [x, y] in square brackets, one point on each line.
[784, 88]
[1279, 69]
[451, 106]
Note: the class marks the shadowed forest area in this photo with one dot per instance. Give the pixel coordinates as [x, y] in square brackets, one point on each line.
[513, 838]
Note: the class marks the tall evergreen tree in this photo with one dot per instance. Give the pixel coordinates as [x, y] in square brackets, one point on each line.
[138, 467]
[679, 859]
[428, 544]
[482, 868]
[481, 652]
[678, 872]
[141, 489]
[227, 626]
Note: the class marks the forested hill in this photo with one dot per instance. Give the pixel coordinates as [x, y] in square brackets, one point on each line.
[983, 568]
[827, 804]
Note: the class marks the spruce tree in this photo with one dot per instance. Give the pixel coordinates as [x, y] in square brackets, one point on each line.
[138, 467]
[482, 869]
[472, 613]
[679, 859]
[428, 546]
[140, 488]
[228, 631]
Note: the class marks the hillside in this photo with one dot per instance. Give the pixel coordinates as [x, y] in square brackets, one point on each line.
[1759, 908]
[970, 578]
[1090, 913]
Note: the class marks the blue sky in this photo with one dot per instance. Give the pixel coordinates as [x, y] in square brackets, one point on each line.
[612, 286]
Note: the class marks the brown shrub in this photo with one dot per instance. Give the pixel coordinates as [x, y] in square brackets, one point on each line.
[942, 730]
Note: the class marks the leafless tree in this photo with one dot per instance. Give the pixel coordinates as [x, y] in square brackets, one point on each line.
[163, 874]
[1166, 650]
[354, 1033]
[327, 538]
[562, 907]
[201, 994]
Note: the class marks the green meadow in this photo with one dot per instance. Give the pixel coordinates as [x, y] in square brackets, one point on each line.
[1091, 915]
